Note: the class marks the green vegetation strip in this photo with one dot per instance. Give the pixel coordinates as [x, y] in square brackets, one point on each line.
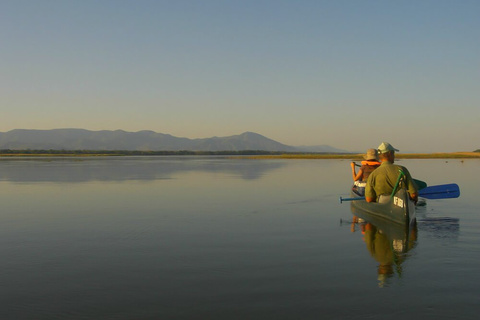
[359, 157]
[248, 154]
[88, 153]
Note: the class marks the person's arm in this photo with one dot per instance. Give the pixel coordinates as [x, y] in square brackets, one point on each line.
[411, 186]
[352, 164]
[355, 175]
[370, 195]
[413, 195]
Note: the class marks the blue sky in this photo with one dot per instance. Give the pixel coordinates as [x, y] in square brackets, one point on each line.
[349, 74]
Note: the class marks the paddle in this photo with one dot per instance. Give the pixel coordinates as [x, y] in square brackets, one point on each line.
[443, 191]
[351, 199]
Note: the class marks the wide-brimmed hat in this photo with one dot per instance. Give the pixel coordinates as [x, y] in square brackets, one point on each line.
[386, 147]
[371, 155]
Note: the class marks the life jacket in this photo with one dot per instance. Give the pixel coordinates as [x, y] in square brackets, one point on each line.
[371, 163]
[368, 167]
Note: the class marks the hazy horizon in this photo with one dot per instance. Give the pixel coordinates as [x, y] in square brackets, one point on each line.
[346, 74]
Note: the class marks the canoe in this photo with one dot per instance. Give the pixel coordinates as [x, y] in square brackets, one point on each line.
[399, 208]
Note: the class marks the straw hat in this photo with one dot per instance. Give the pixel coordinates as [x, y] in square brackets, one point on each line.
[371, 155]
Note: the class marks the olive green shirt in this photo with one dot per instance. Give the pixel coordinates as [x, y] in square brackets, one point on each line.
[383, 179]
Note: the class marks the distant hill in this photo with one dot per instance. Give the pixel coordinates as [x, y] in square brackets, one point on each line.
[81, 139]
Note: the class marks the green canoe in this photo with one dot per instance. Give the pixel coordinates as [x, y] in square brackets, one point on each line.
[398, 209]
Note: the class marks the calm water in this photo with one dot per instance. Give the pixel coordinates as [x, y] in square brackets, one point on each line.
[216, 238]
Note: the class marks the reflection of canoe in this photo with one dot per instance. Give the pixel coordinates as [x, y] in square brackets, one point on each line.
[399, 209]
[389, 244]
[395, 232]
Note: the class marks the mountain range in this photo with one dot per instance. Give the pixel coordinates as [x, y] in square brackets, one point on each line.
[81, 139]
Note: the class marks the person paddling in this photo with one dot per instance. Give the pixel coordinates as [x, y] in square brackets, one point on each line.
[383, 180]
[371, 163]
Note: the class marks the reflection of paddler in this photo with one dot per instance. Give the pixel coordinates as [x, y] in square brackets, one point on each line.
[360, 222]
[388, 244]
[379, 247]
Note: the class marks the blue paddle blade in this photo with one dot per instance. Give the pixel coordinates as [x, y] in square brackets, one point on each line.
[444, 191]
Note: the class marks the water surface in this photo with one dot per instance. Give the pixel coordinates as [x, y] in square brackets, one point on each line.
[219, 238]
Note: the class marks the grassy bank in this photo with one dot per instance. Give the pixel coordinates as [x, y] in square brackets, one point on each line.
[244, 155]
[453, 155]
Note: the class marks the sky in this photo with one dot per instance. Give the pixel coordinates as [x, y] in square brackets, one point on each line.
[345, 73]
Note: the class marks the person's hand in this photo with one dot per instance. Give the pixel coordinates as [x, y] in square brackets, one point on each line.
[352, 165]
[414, 197]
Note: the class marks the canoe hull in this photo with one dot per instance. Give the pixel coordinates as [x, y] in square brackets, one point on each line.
[399, 209]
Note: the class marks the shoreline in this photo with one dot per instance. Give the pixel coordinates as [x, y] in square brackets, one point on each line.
[352, 156]
[450, 155]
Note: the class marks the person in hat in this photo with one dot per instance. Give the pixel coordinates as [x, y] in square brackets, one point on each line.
[371, 163]
[360, 178]
[382, 181]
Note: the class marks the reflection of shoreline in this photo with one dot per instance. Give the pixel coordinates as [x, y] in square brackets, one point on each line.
[126, 168]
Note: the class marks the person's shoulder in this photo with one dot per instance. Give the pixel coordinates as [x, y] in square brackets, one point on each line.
[383, 166]
[403, 169]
